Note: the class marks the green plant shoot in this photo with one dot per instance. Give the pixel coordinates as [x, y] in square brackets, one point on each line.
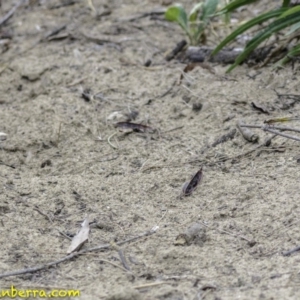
[196, 22]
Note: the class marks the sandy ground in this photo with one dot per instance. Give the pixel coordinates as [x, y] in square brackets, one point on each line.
[63, 160]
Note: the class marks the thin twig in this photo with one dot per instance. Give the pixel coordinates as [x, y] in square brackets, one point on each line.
[144, 15]
[43, 214]
[63, 234]
[38, 268]
[51, 221]
[284, 128]
[73, 255]
[76, 82]
[146, 285]
[113, 264]
[11, 12]
[123, 259]
[55, 31]
[292, 137]
[121, 255]
[168, 90]
[229, 233]
[173, 129]
[270, 129]
[289, 252]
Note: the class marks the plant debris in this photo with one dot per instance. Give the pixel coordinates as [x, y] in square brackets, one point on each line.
[197, 106]
[247, 133]
[128, 126]
[281, 120]
[224, 138]
[179, 47]
[190, 186]
[260, 108]
[81, 237]
[87, 95]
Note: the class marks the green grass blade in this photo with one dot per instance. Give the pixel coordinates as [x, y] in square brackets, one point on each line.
[236, 4]
[291, 11]
[255, 21]
[259, 38]
[276, 26]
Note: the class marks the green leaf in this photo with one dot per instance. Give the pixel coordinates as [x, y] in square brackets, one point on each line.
[194, 12]
[263, 35]
[291, 11]
[209, 8]
[177, 14]
[255, 21]
[236, 4]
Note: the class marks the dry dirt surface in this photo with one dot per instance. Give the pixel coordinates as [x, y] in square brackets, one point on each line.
[66, 78]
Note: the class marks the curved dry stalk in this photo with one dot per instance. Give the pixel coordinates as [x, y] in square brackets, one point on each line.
[108, 140]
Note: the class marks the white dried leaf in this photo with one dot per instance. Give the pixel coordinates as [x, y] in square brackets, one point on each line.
[81, 237]
[116, 115]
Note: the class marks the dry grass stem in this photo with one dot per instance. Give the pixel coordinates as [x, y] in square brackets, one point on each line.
[75, 254]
